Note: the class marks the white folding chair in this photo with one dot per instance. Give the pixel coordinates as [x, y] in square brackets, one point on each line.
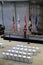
[29, 59]
[7, 56]
[4, 54]
[33, 48]
[9, 51]
[25, 49]
[17, 48]
[19, 56]
[29, 47]
[16, 52]
[29, 54]
[24, 53]
[29, 51]
[20, 53]
[14, 48]
[13, 51]
[21, 49]
[37, 49]
[15, 57]
[21, 46]
[11, 56]
[34, 52]
[24, 59]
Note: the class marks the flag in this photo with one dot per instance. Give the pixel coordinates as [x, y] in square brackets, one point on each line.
[13, 24]
[25, 23]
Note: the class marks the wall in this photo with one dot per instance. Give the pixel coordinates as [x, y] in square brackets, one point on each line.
[21, 9]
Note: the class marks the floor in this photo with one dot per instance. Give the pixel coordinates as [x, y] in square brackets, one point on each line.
[37, 60]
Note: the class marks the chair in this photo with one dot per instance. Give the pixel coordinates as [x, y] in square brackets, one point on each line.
[29, 59]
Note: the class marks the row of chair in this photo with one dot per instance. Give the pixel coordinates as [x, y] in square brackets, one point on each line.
[21, 53]
[22, 58]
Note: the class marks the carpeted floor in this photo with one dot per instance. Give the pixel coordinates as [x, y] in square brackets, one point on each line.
[37, 60]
